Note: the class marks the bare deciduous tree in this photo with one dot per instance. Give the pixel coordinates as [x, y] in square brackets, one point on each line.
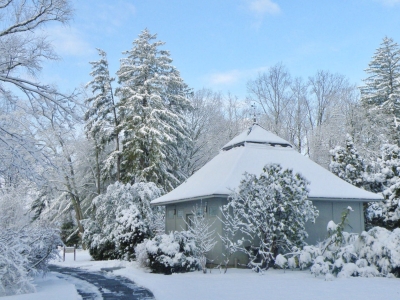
[271, 91]
[22, 51]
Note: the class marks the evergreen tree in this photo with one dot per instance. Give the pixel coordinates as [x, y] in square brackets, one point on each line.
[274, 209]
[153, 98]
[347, 164]
[386, 180]
[382, 88]
[101, 116]
[121, 219]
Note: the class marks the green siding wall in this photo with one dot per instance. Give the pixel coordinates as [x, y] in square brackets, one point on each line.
[328, 210]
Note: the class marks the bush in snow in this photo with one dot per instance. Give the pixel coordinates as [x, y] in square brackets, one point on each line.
[169, 253]
[273, 209]
[121, 220]
[372, 253]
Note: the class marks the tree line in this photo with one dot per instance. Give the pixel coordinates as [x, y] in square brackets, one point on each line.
[147, 125]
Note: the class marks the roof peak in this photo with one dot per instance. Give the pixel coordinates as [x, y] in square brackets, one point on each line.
[256, 134]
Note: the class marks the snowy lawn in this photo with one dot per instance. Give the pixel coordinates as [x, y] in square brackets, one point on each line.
[244, 284]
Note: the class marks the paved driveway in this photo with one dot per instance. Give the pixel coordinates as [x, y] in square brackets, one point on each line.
[102, 285]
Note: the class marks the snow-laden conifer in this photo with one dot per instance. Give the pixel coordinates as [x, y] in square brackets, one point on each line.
[101, 115]
[274, 209]
[347, 164]
[153, 98]
[382, 88]
[121, 219]
[386, 179]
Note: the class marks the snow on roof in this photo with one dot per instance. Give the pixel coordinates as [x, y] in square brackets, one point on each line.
[256, 134]
[222, 175]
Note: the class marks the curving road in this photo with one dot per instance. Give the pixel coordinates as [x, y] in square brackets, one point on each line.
[102, 285]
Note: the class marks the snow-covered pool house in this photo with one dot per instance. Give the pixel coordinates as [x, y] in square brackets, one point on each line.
[249, 152]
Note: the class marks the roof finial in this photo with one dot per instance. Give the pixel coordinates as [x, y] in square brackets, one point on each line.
[254, 113]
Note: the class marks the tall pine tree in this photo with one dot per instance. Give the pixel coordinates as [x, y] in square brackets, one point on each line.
[381, 92]
[153, 98]
[101, 117]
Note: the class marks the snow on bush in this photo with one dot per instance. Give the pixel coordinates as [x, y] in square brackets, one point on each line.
[272, 209]
[384, 177]
[169, 253]
[121, 220]
[25, 247]
[372, 253]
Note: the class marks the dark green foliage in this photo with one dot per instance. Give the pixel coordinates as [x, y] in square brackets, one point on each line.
[347, 164]
[104, 251]
[69, 234]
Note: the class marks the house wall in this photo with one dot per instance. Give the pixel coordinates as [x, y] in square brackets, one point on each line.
[177, 216]
[332, 210]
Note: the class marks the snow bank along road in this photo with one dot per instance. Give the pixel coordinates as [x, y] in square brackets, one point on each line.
[102, 285]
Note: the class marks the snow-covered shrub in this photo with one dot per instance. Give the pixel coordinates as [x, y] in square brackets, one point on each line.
[380, 248]
[307, 256]
[320, 266]
[171, 253]
[372, 253]
[141, 254]
[281, 261]
[273, 210]
[121, 220]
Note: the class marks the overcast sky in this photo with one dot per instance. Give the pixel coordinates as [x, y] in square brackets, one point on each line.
[221, 44]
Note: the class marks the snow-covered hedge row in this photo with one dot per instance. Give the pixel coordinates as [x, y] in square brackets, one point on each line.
[122, 218]
[169, 253]
[370, 254]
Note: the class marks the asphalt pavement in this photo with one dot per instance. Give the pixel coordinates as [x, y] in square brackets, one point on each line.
[110, 286]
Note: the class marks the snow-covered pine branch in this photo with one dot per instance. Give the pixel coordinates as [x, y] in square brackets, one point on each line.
[381, 92]
[102, 118]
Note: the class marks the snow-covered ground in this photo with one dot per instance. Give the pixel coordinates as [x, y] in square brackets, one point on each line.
[49, 287]
[235, 284]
